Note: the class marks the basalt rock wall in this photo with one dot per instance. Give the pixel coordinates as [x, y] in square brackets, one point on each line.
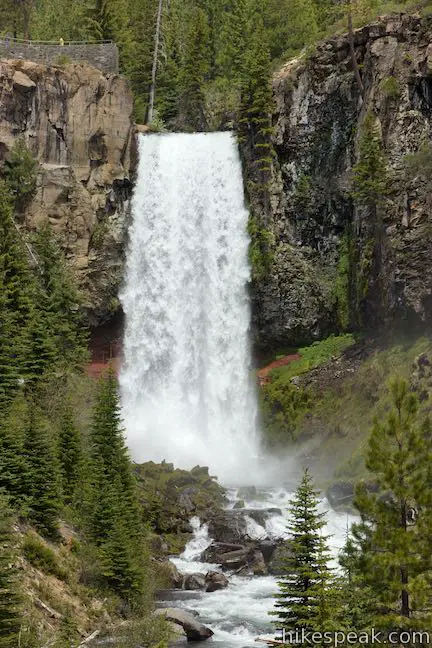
[328, 247]
[78, 124]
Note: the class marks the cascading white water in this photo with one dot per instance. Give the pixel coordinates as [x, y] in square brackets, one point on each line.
[187, 390]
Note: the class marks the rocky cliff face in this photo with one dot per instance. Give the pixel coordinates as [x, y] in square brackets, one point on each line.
[325, 241]
[78, 124]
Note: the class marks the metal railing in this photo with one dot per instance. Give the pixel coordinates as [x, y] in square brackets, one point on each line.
[22, 41]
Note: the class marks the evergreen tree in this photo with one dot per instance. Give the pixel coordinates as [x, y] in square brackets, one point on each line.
[292, 24]
[369, 174]
[388, 550]
[20, 172]
[59, 303]
[70, 455]
[16, 305]
[10, 600]
[307, 595]
[195, 66]
[115, 512]
[257, 99]
[41, 480]
[12, 464]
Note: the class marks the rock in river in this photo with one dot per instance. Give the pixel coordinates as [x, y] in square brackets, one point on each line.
[215, 581]
[195, 581]
[195, 631]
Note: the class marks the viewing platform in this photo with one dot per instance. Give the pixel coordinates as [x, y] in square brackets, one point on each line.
[102, 55]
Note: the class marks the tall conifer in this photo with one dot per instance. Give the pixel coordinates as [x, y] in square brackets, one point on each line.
[306, 597]
[10, 600]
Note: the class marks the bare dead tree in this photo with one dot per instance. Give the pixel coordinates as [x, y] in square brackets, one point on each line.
[155, 62]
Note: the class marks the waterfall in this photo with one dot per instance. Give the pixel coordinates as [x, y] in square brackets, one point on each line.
[187, 388]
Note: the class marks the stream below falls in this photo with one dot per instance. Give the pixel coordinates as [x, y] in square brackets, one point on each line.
[240, 613]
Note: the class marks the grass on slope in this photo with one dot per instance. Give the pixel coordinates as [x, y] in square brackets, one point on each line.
[338, 421]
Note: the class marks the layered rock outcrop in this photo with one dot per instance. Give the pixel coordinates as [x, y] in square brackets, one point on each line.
[78, 124]
[320, 232]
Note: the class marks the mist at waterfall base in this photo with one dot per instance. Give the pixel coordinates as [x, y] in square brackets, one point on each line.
[187, 385]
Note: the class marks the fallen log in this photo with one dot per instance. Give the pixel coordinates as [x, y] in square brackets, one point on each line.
[89, 638]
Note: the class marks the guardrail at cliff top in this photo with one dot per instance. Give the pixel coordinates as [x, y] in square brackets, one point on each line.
[102, 55]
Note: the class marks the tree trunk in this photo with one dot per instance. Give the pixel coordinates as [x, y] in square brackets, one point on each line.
[355, 65]
[155, 62]
[405, 609]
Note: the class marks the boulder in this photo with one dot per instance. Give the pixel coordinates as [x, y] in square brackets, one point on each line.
[174, 576]
[215, 581]
[247, 492]
[281, 553]
[195, 631]
[257, 564]
[239, 504]
[194, 581]
[267, 548]
[340, 494]
[260, 516]
[228, 527]
[216, 550]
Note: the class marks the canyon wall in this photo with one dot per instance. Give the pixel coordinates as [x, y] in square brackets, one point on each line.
[330, 252]
[78, 124]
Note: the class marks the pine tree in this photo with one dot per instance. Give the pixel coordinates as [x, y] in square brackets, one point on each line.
[195, 66]
[70, 455]
[10, 600]
[20, 173]
[292, 25]
[115, 512]
[16, 305]
[369, 174]
[59, 303]
[388, 551]
[12, 463]
[307, 595]
[257, 100]
[41, 480]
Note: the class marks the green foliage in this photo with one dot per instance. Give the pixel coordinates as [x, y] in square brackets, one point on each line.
[306, 597]
[115, 518]
[152, 631]
[341, 285]
[63, 60]
[40, 555]
[10, 599]
[70, 456]
[20, 173]
[60, 301]
[370, 174]
[41, 478]
[391, 88]
[314, 355]
[282, 407]
[293, 24]
[283, 403]
[260, 249]
[160, 492]
[193, 73]
[17, 288]
[419, 163]
[157, 125]
[389, 551]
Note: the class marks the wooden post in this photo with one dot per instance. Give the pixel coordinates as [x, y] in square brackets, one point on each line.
[155, 62]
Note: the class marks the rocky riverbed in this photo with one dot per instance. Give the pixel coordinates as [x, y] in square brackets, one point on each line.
[227, 575]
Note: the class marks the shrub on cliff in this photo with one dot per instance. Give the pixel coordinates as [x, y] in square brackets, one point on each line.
[20, 172]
